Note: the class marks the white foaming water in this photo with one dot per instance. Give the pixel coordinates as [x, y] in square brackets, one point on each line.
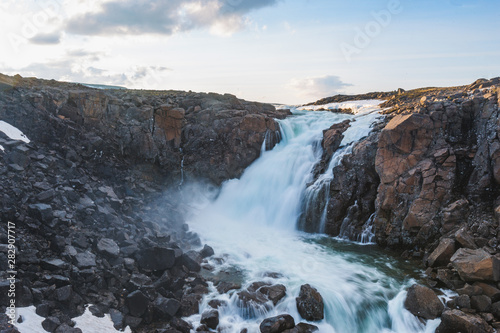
[252, 224]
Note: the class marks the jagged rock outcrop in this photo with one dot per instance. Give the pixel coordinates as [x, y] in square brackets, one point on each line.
[216, 136]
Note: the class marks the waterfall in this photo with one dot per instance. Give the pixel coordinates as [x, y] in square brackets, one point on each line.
[252, 225]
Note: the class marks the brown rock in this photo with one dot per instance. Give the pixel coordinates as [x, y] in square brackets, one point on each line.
[489, 290]
[454, 321]
[442, 254]
[310, 303]
[465, 239]
[476, 265]
[423, 302]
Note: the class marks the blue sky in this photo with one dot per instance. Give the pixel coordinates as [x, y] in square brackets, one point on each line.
[267, 50]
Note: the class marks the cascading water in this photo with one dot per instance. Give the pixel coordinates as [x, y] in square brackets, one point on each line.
[252, 226]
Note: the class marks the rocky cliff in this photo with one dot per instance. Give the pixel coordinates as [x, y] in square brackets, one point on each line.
[216, 136]
[93, 203]
[428, 179]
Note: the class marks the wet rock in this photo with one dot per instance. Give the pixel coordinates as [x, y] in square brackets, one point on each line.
[207, 251]
[463, 302]
[277, 324]
[224, 286]
[489, 290]
[137, 303]
[476, 265]
[453, 321]
[108, 247]
[190, 263]
[442, 254]
[302, 328]
[190, 304]
[274, 293]
[181, 325]
[310, 303]
[210, 318]
[423, 302]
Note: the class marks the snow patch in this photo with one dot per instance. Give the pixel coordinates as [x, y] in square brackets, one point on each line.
[361, 106]
[12, 132]
[88, 323]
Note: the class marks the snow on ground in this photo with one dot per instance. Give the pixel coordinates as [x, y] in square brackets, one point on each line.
[356, 106]
[88, 323]
[12, 132]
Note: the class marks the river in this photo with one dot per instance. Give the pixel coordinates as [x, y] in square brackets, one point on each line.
[252, 222]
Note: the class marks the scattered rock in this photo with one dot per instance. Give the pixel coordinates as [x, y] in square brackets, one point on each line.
[453, 321]
[476, 265]
[210, 318]
[277, 324]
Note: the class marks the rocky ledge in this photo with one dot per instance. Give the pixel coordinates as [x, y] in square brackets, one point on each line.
[94, 203]
[427, 180]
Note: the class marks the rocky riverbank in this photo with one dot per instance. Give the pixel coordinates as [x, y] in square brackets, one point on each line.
[93, 197]
[427, 179]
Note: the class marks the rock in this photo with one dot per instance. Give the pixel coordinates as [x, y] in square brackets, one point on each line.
[181, 325]
[53, 264]
[137, 303]
[277, 324]
[165, 308]
[310, 303]
[210, 318]
[442, 254]
[274, 293]
[465, 239]
[43, 212]
[64, 294]
[108, 247]
[156, 258]
[224, 286]
[489, 290]
[117, 318]
[51, 323]
[453, 321]
[302, 328]
[495, 309]
[481, 303]
[423, 302]
[85, 260]
[190, 263]
[463, 302]
[476, 265]
[207, 251]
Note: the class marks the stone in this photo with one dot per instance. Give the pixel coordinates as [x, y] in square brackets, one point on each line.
[50, 324]
[190, 263]
[489, 290]
[277, 324]
[224, 286]
[476, 265]
[310, 303]
[65, 328]
[181, 325]
[165, 308]
[137, 303]
[453, 321]
[156, 258]
[465, 239]
[442, 254]
[43, 212]
[207, 251]
[53, 264]
[423, 302]
[64, 294]
[85, 260]
[274, 293]
[481, 303]
[302, 328]
[463, 302]
[108, 247]
[210, 318]
[117, 318]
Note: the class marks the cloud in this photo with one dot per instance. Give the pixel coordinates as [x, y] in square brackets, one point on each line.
[318, 87]
[134, 17]
[46, 39]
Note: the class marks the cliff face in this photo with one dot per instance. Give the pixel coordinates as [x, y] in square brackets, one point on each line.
[218, 136]
[435, 167]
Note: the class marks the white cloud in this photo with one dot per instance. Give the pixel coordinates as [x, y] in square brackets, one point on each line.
[318, 87]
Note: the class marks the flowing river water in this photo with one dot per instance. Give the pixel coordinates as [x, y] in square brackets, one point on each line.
[252, 225]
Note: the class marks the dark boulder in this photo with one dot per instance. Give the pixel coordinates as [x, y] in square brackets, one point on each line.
[423, 302]
[310, 303]
[277, 324]
[210, 318]
[137, 303]
[156, 258]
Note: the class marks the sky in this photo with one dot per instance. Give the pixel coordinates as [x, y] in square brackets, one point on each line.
[278, 51]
